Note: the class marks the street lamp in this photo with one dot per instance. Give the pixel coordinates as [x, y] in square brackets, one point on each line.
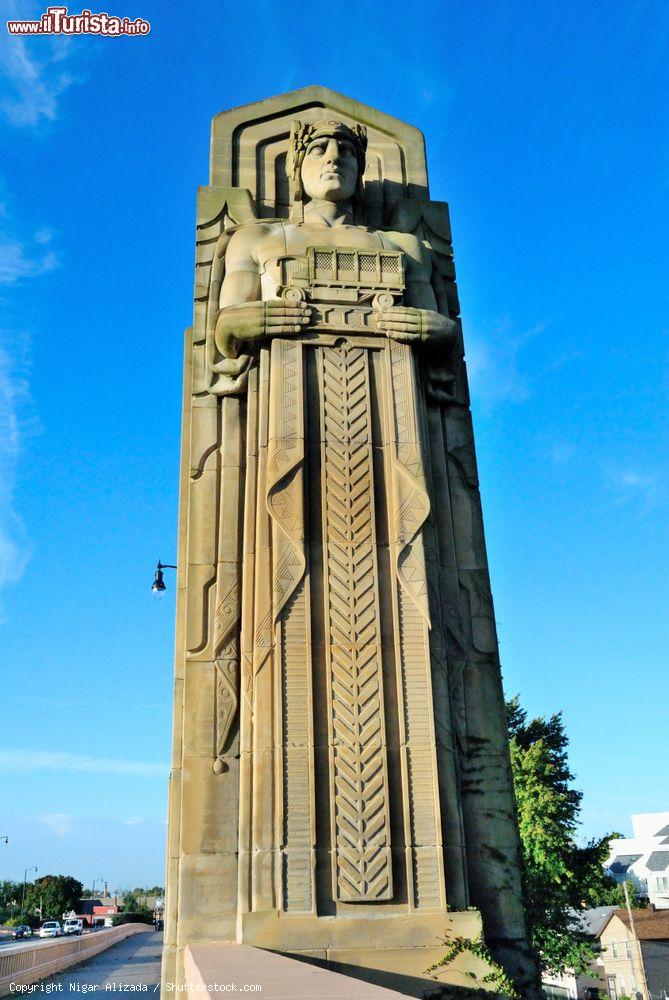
[158, 587]
[25, 876]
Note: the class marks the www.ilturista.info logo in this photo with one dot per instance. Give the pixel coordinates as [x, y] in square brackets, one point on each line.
[57, 21]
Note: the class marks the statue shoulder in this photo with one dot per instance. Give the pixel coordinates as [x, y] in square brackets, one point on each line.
[244, 244]
[408, 242]
[417, 253]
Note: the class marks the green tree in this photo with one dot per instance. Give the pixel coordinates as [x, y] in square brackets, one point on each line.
[560, 877]
[130, 902]
[10, 898]
[53, 895]
[614, 895]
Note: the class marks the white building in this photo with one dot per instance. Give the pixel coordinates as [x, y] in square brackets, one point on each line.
[644, 857]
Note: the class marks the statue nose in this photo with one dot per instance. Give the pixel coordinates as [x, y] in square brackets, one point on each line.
[332, 153]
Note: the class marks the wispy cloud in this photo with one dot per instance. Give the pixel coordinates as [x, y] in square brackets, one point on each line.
[59, 823]
[35, 76]
[22, 255]
[25, 258]
[13, 761]
[17, 421]
[494, 362]
[634, 485]
[132, 821]
[20, 259]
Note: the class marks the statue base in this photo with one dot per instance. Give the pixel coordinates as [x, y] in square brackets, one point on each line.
[213, 968]
[393, 952]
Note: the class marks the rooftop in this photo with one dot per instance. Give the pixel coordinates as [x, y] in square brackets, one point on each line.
[650, 925]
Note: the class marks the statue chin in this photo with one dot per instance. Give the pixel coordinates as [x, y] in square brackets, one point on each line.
[335, 195]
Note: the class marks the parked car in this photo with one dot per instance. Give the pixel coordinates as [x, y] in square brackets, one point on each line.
[23, 931]
[73, 925]
[51, 928]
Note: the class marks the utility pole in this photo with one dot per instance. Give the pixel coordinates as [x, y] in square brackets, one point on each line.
[644, 983]
[25, 876]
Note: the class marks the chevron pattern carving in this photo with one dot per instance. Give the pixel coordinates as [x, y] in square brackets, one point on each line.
[362, 869]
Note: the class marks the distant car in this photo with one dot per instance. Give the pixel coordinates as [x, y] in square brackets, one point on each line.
[73, 925]
[22, 932]
[51, 928]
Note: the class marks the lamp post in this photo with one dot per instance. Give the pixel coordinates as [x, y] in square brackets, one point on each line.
[33, 868]
[158, 587]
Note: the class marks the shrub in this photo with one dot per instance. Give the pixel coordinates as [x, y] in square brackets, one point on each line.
[137, 917]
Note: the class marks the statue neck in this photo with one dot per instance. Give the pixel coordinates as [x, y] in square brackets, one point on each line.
[328, 213]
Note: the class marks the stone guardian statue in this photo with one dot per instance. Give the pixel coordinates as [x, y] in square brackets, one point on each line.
[341, 782]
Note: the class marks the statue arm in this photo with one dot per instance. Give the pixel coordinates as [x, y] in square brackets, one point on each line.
[244, 317]
[419, 320]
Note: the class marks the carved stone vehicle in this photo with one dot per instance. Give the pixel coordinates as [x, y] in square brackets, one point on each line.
[341, 785]
[345, 287]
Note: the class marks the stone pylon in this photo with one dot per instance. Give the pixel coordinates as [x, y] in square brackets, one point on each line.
[340, 784]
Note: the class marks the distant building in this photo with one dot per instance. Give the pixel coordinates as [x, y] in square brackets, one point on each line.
[589, 985]
[624, 963]
[644, 857]
[97, 912]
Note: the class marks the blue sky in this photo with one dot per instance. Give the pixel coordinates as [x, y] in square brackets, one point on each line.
[547, 133]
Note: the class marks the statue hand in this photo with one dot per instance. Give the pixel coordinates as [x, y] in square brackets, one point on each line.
[251, 321]
[418, 326]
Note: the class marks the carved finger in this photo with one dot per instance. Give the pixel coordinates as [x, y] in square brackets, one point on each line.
[401, 312]
[408, 323]
[291, 313]
[277, 305]
[278, 319]
[276, 322]
[287, 311]
[401, 327]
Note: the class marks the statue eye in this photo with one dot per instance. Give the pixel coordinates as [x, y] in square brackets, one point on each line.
[317, 150]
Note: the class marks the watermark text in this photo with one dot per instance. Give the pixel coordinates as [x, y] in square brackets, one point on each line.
[57, 21]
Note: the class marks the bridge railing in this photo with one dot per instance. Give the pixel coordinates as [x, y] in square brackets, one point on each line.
[32, 962]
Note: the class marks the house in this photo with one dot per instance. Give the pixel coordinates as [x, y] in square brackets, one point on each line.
[644, 857]
[94, 912]
[587, 985]
[625, 961]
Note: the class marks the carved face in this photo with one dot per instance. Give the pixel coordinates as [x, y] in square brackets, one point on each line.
[330, 169]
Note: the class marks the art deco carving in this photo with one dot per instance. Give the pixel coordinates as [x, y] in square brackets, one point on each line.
[358, 769]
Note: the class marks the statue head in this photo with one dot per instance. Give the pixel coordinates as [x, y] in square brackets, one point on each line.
[326, 161]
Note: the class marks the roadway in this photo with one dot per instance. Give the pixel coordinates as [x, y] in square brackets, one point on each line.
[131, 966]
[134, 962]
[10, 944]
